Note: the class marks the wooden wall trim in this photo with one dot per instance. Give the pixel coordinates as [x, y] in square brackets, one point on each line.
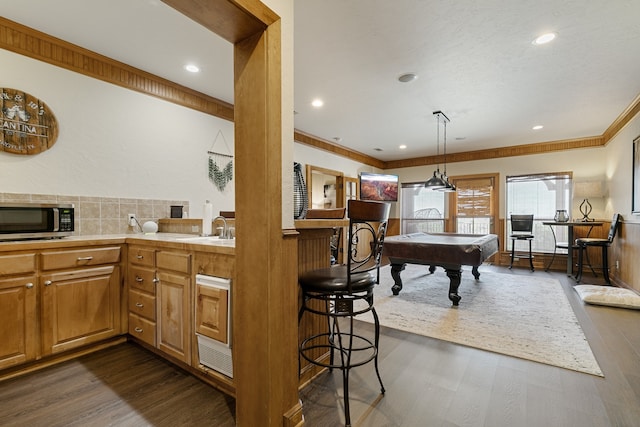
[622, 120]
[314, 141]
[494, 153]
[34, 44]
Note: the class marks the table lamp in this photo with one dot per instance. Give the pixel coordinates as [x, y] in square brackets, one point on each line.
[585, 190]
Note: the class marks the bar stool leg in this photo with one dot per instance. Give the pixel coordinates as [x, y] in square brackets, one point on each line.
[605, 265]
[530, 256]
[579, 273]
[513, 252]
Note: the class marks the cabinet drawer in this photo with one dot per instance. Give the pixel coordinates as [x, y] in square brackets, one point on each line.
[142, 256]
[52, 260]
[143, 329]
[143, 279]
[174, 261]
[17, 264]
[142, 304]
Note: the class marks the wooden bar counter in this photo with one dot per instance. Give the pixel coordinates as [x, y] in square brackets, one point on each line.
[314, 251]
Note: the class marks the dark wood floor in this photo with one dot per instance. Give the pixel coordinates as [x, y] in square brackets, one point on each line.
[124, 385]
[428, 382]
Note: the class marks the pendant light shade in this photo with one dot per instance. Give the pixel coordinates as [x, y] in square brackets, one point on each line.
[435, 182]
[440, 181]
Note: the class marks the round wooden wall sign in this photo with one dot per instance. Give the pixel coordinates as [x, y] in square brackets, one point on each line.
[28, 125]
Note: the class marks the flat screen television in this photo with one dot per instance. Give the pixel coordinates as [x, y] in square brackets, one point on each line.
[377, 186]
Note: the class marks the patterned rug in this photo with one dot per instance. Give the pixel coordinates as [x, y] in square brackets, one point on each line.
[523, 316]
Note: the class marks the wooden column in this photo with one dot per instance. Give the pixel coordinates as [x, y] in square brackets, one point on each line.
[265, 290]
[266, 287]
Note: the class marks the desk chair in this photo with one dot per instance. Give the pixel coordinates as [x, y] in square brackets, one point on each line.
[586, 242]
[521, 229]
[344, 291]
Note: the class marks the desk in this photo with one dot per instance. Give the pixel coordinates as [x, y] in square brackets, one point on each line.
[570, 240]
[447, 250]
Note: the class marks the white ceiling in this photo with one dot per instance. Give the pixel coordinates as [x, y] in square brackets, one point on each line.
[474, 59]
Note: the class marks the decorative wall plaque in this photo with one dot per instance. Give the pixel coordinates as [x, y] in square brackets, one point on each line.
[28, 125]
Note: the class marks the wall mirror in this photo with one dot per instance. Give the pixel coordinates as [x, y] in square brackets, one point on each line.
[321, 187]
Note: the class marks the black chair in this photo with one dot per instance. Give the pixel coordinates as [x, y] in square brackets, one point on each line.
[521, 229]
[344, 291]
[586, 242]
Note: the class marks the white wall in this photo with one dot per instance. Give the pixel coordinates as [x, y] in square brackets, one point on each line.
[618, 168]
[114, 142]
[586, 164]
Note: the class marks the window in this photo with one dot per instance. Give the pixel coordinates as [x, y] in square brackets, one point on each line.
[541, 195]
[422, 210]
[474, 204]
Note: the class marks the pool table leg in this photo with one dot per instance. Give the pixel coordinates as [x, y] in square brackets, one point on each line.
[395, 273]
[454, 283]
[475, 272]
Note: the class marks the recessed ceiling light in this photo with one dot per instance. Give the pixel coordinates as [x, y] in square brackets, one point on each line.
[317, 103]
[408, 77]
[377, 149]
[537, 127]
[337, 138]
[545, 38]
[191, 68]
[402, 147]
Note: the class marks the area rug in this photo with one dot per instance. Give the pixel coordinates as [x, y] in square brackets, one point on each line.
[522, 316]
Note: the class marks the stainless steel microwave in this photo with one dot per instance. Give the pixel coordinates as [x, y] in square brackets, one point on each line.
[35, 220]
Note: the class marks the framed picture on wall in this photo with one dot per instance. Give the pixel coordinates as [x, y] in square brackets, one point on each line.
[635, 184]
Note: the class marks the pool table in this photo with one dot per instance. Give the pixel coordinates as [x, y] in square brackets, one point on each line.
[447, 250]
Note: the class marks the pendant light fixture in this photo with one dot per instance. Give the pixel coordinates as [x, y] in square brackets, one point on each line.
[436, 182]
[449, 187]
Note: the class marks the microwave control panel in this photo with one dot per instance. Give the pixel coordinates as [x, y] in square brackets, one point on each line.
[66, 219]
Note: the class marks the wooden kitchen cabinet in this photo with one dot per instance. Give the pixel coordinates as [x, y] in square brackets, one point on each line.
[18, 320]
[18, 301]
[160, 300]
[80, 297]
[174, 302]
[142, 293]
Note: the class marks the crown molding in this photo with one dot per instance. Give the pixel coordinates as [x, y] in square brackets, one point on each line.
[34, 44]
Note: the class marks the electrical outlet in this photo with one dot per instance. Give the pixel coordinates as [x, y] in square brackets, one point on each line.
[131, 219]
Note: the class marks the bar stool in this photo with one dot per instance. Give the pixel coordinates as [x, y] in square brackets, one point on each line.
[521, 228]
[585, 242]
[342, 292]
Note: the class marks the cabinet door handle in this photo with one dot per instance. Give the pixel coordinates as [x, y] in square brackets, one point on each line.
[139, 256]
[85, 258]
[156, 280]
[48, 283]
[139, 304]
[29, 285]
[138, 329]
[139, 279]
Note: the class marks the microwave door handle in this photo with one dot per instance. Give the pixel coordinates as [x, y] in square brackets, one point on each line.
[56, 219]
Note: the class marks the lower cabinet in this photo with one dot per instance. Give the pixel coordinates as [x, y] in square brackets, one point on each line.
[18, 321]
[79, 307]
[174, 327]
[159, 300]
